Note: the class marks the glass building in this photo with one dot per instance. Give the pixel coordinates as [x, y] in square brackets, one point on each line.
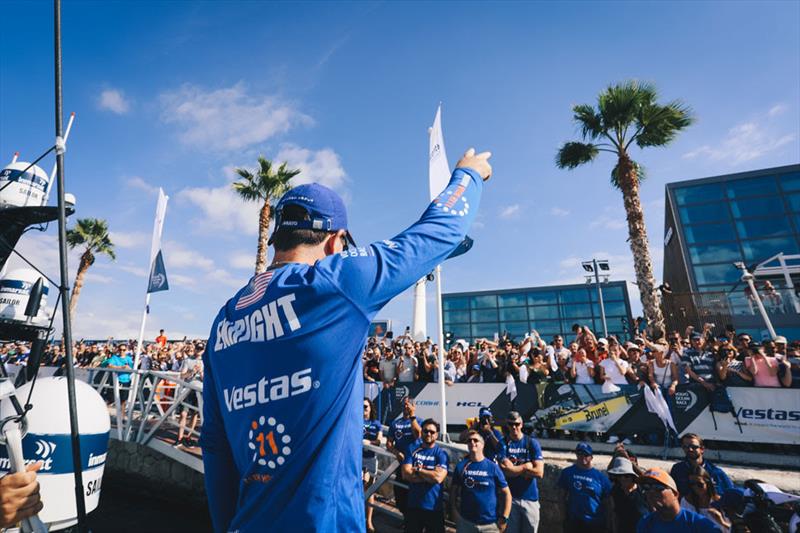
[549, 310]
[713, 223]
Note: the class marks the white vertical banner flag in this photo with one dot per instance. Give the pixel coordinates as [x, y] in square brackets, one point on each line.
[439, 177]
[155, 271]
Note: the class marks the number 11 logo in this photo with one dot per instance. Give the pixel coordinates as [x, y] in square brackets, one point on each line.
[269, 444]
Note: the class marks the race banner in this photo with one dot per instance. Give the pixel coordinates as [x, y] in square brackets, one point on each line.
[739, 414]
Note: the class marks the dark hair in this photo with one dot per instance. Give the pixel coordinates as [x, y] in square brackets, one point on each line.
[372, 413]
[700, 471]
[284, 238]
[431, 422]
[693, 436]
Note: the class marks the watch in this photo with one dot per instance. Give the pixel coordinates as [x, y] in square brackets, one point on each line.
[503, 519]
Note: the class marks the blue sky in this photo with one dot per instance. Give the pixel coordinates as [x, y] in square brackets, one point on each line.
[176, 94]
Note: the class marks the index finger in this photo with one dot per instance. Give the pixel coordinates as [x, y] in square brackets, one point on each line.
[470, 152]
[484, 155]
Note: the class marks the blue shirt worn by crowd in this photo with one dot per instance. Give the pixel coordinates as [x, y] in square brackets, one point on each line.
[701, 362]
[116, 360]
[424, 495]
[686, 522]
[490, 450]
[680, 473]
[402, 434]
[372, 428]
[586, 490]
[283, 385]
[519, 452]
[479, 483]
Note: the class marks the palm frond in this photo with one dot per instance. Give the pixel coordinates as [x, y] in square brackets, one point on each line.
[93, 233]
[589, 121]
[619, 105]
[659, 125]
[574, 154]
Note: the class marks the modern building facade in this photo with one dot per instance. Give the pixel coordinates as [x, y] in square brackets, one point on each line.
[712, 224]
[549, 310]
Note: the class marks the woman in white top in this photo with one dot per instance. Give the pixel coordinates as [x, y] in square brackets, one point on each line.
[614, 368]
[582, 369]
[701, 496]
[663, 373]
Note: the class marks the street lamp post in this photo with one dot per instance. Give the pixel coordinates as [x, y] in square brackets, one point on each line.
[749, 278]
[594, 266]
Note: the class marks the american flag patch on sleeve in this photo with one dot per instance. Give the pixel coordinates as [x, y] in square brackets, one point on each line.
[254, 290]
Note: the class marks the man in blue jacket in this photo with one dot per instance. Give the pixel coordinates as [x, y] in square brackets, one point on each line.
[283, 379]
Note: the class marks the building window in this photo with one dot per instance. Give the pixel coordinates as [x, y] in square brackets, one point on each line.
[458, 317]
[698, 193]
[514, 313]
[511, 300]
[715, 253]
[611, 308]
[542, 312]
[484, 301]
[485, 330]
[515, 330]
[543, 298]
[576, 310]
[759, 186]
[763, 227]
[794, 201]
[610, 292]
[574, 295]
[455, 302]
[757, 207]
[484, 315]
[714, 212]
[790, 182]
[763, 249]
[709, 275]
[710, 233]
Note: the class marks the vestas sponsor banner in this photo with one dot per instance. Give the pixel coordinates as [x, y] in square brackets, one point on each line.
[758, 415]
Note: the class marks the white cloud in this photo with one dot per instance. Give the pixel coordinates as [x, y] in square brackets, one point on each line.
[227, 119]
[746, 141]
[776, 110]
[242, 260]
[510, 212]
[612, 218]
[321, 166]
[181, 280]
[136, 271]
[139, 183]
[559, 212]
[221, 276]
[129, 239]
[222, 209]
[98, 278]
[113, 100]
[178, 256]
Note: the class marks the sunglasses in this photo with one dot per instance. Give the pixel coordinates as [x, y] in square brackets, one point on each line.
[691, 447]
[429, 431]
[514, 424]
[652, 487]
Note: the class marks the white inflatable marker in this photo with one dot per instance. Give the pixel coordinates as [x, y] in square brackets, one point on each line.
[14, 159]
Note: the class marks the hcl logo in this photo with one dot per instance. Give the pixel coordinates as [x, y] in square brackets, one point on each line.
[469, 404]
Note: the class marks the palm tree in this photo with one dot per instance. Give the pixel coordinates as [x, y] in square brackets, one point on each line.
[263, 186]
[628, 113]
[93, 234]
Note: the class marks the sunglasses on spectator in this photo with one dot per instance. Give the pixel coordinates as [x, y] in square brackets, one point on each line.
[691, 447]
[429, 431]
[652, 487]
[514, 424]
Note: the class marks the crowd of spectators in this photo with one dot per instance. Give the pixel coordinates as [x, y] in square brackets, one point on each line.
[663, 361]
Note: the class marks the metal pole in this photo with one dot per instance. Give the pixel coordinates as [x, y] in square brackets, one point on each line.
[80, 504]
[442, 400]
[747, 277]
[789, 283]
[600, 297]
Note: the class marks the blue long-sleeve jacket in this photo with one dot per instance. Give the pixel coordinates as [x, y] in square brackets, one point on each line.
[283, 384]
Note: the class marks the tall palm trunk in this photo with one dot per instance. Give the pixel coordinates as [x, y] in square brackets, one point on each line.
[640, 247]
[87, 259]
[263, 236]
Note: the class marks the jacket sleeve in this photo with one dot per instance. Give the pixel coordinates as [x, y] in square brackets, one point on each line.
[221, 475]
[370, 277]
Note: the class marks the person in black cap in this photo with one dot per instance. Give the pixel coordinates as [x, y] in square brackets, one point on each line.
[283, 383]
[494, 442]
[585, 492]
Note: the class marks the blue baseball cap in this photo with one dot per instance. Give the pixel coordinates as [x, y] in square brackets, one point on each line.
[324, 207]
[583, 447]
[485, 411]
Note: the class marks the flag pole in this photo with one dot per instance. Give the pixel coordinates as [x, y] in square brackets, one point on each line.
[440, 333]
[155, 247]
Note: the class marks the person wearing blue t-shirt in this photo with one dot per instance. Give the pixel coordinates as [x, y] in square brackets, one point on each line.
[480, 486]
[668, 517]
[121, 361]
[522, 465]
[283, 373]
[372, 435]
[404, 435]
[586, 492]
[693, 449]
[425, 469]
[495, 443]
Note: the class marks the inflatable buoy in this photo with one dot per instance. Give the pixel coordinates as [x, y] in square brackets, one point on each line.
[18, 189]
[15, 290]
[48, 441]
